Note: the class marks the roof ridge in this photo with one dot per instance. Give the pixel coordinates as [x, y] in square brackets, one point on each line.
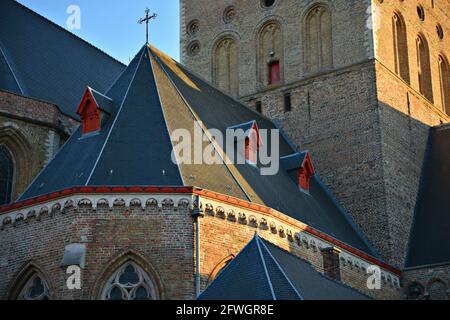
[269, 280]
[68, 32]
[163, 111]
[100, 94]
[115, 120]
[196, 116]
[232, 262]
[281, 269]
[319, 273]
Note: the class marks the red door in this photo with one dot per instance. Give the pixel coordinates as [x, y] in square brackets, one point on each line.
[274, 72]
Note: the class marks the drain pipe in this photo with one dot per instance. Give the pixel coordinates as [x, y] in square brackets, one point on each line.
[197, 214]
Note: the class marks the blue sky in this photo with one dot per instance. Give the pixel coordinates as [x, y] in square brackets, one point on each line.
[111, 25]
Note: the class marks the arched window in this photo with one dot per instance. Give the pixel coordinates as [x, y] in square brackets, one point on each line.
[34, 289]
[444, 76]
[400, 47]
[437, 290]
[424, 68]
[129, 282]
[319, 42]
[6, 175]
[225, 66]
[220, 266]
[270, 54]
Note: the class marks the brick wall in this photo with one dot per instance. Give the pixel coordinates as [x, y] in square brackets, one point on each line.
[365, 127]
[224, 234]
[433, 282]
[351, 42]
[32, 131]
[160, 234]
[163, 237]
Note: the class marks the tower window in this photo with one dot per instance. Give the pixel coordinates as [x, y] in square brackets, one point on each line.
[420, 12]
[270, 54]
[225, 66]
[318, 40]
[444, 76]
[424, 67]
[6, 175]
[274, 72]
[287, 102]
[258, 106]
[440, 31]
[400, 47]
[267, 3]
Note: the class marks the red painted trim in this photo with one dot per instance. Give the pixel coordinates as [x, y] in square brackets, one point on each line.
[197, 191]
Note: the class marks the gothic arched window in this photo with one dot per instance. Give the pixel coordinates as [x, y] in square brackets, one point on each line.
[270, 54]
[225, 66]
[218, 269]
[319, 42]
[400, 47]
[424, 68]
[35, 289]
[129, 282]
[6, 175]
[444, 76]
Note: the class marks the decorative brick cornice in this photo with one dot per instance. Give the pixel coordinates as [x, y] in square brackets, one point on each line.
[183, 197]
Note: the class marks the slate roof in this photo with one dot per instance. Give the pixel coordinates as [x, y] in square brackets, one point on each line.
[41, 60]
[156, 96]
[430, 238]
[105, 103]
[263, 271]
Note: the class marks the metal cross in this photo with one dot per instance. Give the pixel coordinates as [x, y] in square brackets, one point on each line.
[147, 19]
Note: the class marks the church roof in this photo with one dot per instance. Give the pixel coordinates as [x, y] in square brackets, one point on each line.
[39, 59]
[151, 99]
[263, 271]
[430, 237]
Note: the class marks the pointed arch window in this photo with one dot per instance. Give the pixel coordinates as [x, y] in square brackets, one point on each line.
[400, 47]
[6, 175]
[319, 42]
[444, 76]
[220, 267]
[129, 282]
[424, 68]
[225, 66]
[270, 54]
[35, 288]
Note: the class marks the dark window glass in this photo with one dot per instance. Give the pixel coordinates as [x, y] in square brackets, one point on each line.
[287, 102]
[259, 106]
[6, 175]
[37, 289]
[142, 294]
[129, 276]
[116, 294]
[268, 3]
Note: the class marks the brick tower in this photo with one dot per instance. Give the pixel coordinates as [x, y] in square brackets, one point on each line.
[358, 83]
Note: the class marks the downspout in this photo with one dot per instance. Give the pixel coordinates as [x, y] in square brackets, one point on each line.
[197, 214]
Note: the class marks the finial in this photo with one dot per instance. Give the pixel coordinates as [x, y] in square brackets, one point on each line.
[147, 19]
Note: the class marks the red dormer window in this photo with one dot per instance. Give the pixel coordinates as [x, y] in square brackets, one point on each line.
[305, 173]
[252, 144]
[89, 113]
